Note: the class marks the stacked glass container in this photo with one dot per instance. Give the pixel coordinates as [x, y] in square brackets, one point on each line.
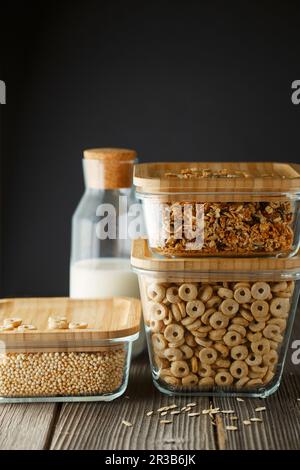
[219, 274]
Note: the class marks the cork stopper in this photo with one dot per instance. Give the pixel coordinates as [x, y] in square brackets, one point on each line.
[109, 168]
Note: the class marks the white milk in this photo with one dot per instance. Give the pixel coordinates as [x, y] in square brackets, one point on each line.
[105, 277]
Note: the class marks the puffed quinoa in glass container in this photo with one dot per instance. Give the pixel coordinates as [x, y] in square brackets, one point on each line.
[220, 209]
[217, 326]
[55, 350]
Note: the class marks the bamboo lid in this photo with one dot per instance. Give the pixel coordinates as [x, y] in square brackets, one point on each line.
[208, 177]
[143, 258]
[109, 168]
[107, 319]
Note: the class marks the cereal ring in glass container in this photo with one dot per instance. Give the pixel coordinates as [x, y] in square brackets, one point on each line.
[279, 287]
[194, 364]
[206, 293]
[240, 321]
[232, 338]
[223, 378]
[173, 354]
[174, 332]
[260, 291]
[238, 328]
[239, 369]
[246, 314]
[253, 337]
[257, 326]
[222, 349]
[206, 382]
[261, 347]
[190, 340]
[160, 362]
[156, 292]
[254, 359]
[260, 309]
[168, 318]
[180, 369]
[188, 292]
[223, 363]
[217, 335]
[187, 351]
[205, 370]
[218, 320]
[176, 312]
[206, 343]
[206, 315]
[280, 307]
[194, 326]
[281, 322]
[271, 331]
[208, 356]
[158, 311]
[242, 295]
[156, 326]
[190, 380]
[225, 293]
[195, 308]
[257, 372]
[170, 380]
[229, 307]
[214, 302]
[268, 377]
[172, 295]
[242, 382]
[177, 344]
[159, 342]
[239, 353]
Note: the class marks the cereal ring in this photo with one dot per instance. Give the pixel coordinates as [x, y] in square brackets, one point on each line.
[271, 331]
[206, 343]
[268, 377]
[188, 292]
[195, 308]
[160, 363]
[273, 344]
[194, 326]
[256, 326]
[260, 309]
[173, 354]
[206, 315]
[260, 291]
[225, 293]
[165, 372]
[279, 287]
[198, 334]
[217, 335]
[159, 342]
[57, 323]
[205, 370]
[214, 301]
[246, 306]
[190, 341]
[218, 320]
[168, 318]
[278, 338]
[229, 307]
[253, 337]
[238, 328]
[208, 356]
[172, 295]
[78, 325]
[241, 284]
[204, 329]
[239, 369]
[239, 353]
[242, 382]
[186, 351]
[180, 369]
[176, 312]
[170, 380]
[223, 363]
[261, 347]
[284, 295]
[177, 344]
[194, 364]
[253, 382]
[187, 321]
[271, 358]
[206, 382]
[232, 338]
[14, 322]
[206, 293]
[246, 314]
[23, 328]
[280, 322]
[257, 372]
[242, 295]
[158, 311]
[222, 349]
[190, 380]
[174, 332]
[239, 321]
[223, 378]
[280, 307]
[156, 292]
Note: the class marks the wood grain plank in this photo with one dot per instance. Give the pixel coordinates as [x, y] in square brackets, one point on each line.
[99, 425]
[25, 426]
[281, 420]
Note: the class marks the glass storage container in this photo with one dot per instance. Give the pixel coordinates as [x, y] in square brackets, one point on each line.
[100, 251]
[59, 349]
[217, 326]
[226, 209]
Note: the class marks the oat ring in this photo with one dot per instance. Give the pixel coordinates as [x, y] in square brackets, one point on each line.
[180, 369]
[232, 338]
[223, 378]
[229, 307]
[159, 341]
[173, 354]
[239, 369]
[158, 311]
[218, 320]
[195, 308]
[174, 332]
[242, 295]
[172, 295]
[261, 347]
[271, 331]
[239, 353]
[280, 307]
[190, 380]
[260, 309]
[260, 291]
[156, 292]
[188, 292]
[208, 356]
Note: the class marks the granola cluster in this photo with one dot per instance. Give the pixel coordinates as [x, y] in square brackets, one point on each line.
[229, 228]
[186, 173]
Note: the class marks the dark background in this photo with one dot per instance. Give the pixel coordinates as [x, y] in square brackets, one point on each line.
[180, 80]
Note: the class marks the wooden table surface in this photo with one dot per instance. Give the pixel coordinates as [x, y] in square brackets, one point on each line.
[99, 425]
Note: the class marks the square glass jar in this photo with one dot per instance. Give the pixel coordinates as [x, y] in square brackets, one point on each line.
[215, 326]
[38, 364]
[220, 209]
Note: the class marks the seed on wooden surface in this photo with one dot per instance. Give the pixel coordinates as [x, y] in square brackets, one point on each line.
[163, 408]
[176, 412]
[126, 423]
[205, 412]
[239, 399]
[191, 404]
[256, 420]
[246, 422]
[150, 413]
[213, 411]
[231, 428]
[188, 408]
[172, 406]
[227, 412]
[183, 408]
[165, 421]
[163, 413]
[298, 399]
[194, 414]
[233, 418]
[261, 408]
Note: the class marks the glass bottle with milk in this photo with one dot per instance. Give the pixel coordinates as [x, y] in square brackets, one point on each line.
[101, 226]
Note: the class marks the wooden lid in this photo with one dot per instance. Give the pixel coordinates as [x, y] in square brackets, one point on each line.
[110, 154]
[107, 319]
[143, 258]
[205, 177]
